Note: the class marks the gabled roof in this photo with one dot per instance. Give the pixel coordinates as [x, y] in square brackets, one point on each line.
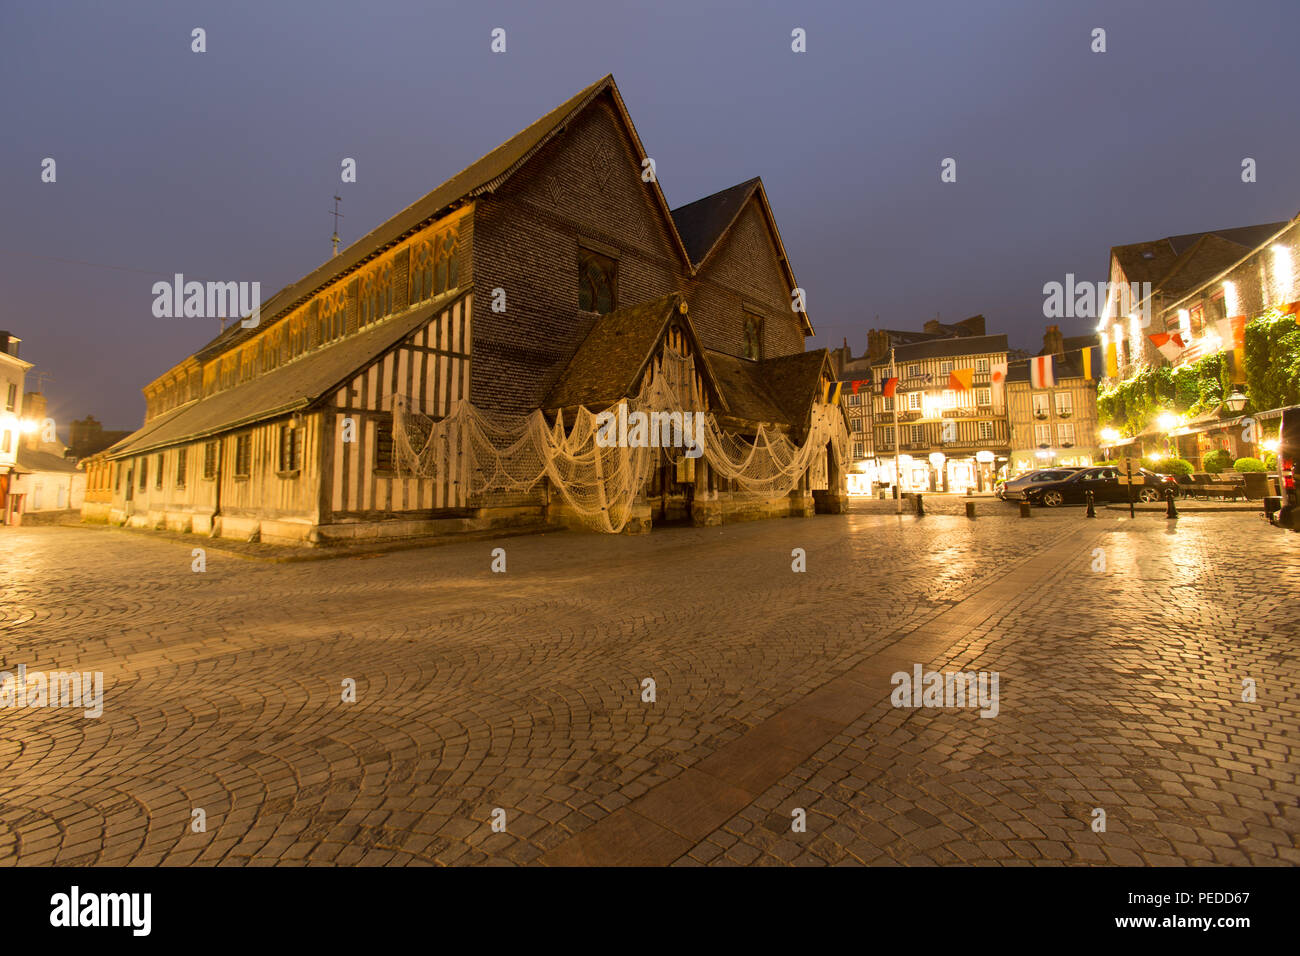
[746, 389]
[703, 224]
[1155, 260]
[480, 177]
[287, 389]
[608, 364]
[795, 381]
[29, 460]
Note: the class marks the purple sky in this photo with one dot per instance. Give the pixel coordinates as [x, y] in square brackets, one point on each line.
[221, 165]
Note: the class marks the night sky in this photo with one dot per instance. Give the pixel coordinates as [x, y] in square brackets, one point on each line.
[222, 165]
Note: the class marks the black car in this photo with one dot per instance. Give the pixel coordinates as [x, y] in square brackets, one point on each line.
[1104, 484]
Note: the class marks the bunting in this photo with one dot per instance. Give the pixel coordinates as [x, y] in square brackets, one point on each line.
[1170, 344]
[889, 386]
[998, 378]
[1040, 372]
[960, 379]
[1086, 356]
[1112, 360]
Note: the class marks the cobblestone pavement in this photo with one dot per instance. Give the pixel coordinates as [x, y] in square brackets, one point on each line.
[1120, 690]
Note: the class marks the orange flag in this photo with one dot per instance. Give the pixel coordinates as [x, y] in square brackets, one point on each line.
[960, 379]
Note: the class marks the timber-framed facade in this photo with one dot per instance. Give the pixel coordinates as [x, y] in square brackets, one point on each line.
[519, 284]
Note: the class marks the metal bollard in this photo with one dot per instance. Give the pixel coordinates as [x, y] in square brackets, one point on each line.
[1170, 511]
[970, 509]
[1024, 510]
[920, 508]
[1092, 510]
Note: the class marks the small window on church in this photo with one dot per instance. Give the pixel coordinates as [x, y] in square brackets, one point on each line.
[753, 338]
[597, 282]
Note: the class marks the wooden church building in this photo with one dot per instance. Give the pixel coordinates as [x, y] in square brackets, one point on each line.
[590, 272]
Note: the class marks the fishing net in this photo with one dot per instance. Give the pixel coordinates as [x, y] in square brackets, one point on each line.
[600, 479]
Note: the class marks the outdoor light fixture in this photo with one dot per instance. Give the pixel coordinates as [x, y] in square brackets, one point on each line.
[1109, 434]
[1271, 445]
[1236, 401]
[29, 425]
[1167, 422]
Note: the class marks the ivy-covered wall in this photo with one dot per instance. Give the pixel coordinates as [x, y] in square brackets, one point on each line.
[1272, 351]
[1273, 361]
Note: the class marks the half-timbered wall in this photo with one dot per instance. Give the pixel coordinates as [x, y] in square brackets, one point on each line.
[431, 369]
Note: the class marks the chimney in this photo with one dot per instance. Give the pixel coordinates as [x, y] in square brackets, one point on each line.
[9, 343]
[34, 411]
[1053, 341]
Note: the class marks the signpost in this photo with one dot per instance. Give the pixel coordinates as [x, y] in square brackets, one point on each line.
[1130, 473]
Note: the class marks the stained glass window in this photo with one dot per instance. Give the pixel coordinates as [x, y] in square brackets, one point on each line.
[596, 282]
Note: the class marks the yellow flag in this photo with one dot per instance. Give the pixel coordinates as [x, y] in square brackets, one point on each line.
[1087, 364]
[1112, 360]
[835, 398]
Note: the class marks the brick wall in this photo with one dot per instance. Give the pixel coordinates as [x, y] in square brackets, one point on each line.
[586, 184]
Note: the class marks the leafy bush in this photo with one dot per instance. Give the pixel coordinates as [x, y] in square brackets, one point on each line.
[1172, 466]
[1217, 461]
[1244, 465]
[1270, 461]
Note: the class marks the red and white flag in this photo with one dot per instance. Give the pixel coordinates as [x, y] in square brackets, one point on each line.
[1170, 344]
[1040, 372]
[998, 378]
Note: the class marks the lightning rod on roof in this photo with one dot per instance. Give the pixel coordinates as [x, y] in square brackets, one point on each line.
[334, 240]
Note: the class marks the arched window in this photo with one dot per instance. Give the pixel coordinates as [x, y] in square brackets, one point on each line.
[753, 338]
[597, 282]
[422, 271]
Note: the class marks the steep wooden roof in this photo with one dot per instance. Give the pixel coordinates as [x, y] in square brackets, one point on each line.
[703, 224]
[482, 176]
[608, 364]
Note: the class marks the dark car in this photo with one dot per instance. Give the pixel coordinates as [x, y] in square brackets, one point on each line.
[1010, 490]
[1104, 484]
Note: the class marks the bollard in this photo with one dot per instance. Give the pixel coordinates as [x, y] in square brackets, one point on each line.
[1092, 510]
[970, 492]
[1170, 511]
[970, 509]
[1024, 509]
[920, 508]
[1272, 505]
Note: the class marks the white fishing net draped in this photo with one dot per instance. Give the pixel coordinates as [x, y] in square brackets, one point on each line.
[484, 454]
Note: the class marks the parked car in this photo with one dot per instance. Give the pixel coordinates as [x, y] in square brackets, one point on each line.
[1010, 490]
[1104, 484]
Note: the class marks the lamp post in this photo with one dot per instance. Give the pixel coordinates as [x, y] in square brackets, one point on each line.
[1167, 422]
[1235, 401]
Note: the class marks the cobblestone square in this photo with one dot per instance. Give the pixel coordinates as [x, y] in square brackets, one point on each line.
[1121, 646]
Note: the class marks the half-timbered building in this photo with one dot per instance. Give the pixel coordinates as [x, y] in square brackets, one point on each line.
[551, 274]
